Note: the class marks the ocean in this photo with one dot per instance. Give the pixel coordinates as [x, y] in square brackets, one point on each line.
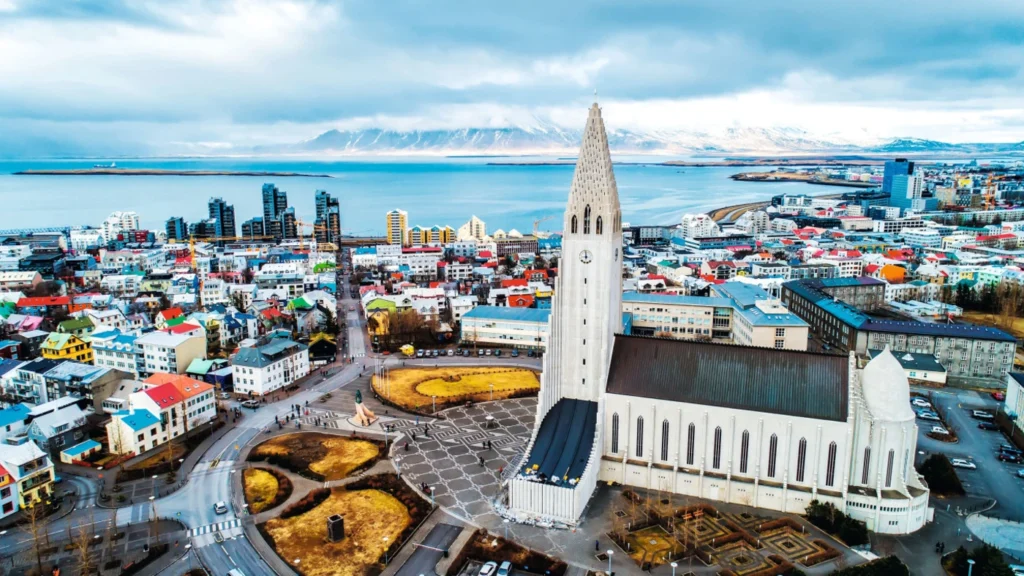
[443, 191]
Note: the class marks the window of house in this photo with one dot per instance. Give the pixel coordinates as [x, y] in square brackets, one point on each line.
[773, 448]
[664, 439]
[801, 459]
[640, 437]
[744, 449]
[716, 456]
[691, 438]
[615, 433]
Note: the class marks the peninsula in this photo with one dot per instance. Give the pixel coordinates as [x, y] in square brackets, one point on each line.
[805, 177]
[160, 172]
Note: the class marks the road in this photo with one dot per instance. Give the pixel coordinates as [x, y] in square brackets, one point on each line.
[428, 553]
[992, 479]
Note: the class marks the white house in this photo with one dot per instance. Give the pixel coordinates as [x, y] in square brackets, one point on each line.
[262, 369]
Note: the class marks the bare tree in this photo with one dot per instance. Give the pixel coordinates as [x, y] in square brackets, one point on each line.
[37, 527]
[82, 546]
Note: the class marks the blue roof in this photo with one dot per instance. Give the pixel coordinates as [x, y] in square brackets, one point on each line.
[509, 313]
[82, 448]
[15, 413]
[745, 298]
[8, 365]
[8, 343]
[676, 299]
[366, 250]
[139, 420]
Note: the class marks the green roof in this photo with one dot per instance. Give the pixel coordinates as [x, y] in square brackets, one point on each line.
[300, 303]
[199, 366]
[75, 324]
[57, 341]
[381, 304]
[175, 321]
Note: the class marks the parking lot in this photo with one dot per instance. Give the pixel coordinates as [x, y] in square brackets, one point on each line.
[992, 478]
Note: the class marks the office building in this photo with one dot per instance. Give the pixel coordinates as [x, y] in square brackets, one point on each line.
[899, 166]
[275, 202]
[177, 229]
[521, 328]
[474, 228]
[328, 217]
[907, 193]
[289, 227]
[396, 222]
[224, 216]
[253, 228]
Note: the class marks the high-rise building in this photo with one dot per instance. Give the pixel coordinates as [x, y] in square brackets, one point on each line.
[698, 226]
[203, 229]
[475, 228]
[177, 229]
[224, 214]
[275, 202]
[906, 193]
[289, 229]
[433, 236]
[253, 228]
[328, 217]
[119, 223]
[397, 220]
[899, 166]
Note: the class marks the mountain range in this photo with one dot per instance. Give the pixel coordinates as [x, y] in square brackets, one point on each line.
[553, 140]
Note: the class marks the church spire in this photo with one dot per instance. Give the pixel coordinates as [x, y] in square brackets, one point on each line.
[594, 193]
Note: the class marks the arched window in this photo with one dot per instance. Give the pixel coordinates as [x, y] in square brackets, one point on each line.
[773, 449]
[867, 466]
[801, 459]
[830, 466]
[586, 219]
[716, 458]
[888, 469]
[600, 227]
[640, 437]
[664, 440]
[691, 440]
[615, 433]
[744, 449]
[573, 223]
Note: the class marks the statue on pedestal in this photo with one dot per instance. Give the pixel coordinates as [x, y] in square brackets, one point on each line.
[364, 416]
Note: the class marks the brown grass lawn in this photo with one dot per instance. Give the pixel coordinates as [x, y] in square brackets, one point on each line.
[997, 321]
[332, 456]
[413, 388]
[370, 515]
[160, 456]
[260, 487]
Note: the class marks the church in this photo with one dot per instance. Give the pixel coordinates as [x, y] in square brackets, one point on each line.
[761, 427]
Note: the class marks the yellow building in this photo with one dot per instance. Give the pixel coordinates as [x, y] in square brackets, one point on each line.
[397, 221]
[435, 235]
[66, 347]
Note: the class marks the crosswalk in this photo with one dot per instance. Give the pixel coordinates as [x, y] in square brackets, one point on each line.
[218, 527]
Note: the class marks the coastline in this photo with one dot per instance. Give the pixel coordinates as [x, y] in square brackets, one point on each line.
[792, 177]
[730, 214]
[160, 172]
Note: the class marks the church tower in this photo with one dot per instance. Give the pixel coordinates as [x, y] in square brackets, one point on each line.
[587, 311]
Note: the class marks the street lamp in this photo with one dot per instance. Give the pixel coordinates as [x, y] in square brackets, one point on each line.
[433, 402]
[505, 521]
[385, 551]
[431, 488]
[610, 554]
[492, 392]
[970, 567]
[674, 565]
[188, 552]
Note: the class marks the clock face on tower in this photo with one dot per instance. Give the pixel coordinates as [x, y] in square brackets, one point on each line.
[586, 256]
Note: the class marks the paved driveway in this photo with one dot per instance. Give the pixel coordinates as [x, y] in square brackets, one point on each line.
[429, 552]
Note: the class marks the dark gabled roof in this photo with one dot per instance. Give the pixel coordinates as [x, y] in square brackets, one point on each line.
[789, 382]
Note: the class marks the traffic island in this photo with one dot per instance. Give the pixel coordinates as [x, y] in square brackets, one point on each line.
[428, 390]
[318, 456]
[265, 488]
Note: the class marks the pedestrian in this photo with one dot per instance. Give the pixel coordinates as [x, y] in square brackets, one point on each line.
[597, 545]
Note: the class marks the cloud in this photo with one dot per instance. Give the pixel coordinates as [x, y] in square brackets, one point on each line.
[249, 71]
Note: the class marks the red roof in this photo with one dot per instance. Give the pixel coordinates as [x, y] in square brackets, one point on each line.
[509, 282]
[656, 277]
[171, 313]
[182, 328]
[441, 263]
[484, 254]
[490, 264]
[871, 268]
[535, 272]
[44, 301]
[420, 249]
[1007, 236]
[271, 313]
[717, 263]
[435, 283]
[165, 395]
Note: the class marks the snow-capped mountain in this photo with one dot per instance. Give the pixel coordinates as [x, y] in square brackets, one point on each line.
[546, 138]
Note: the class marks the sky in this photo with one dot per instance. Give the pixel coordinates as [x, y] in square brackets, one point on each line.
[181, 76]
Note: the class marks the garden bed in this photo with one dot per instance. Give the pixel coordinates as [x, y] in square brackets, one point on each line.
[484, 547]
[319, 456]
[265, 488]
[415, 389]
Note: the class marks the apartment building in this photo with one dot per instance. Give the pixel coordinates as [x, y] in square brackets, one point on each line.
[169, 352]
[272, 366]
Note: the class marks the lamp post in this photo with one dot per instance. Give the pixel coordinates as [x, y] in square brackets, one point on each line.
[385, 551]
[970, 567]
[610, 554]
[505, 522]
[188, 552]
[433, 402]
[431, 488]
[673, 565]
[492, 392]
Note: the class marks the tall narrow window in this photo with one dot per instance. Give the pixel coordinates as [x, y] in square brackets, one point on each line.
[640, 437]
[615, 433]
[830, 466]
[773, 448]
[888, 469]
[599, 227]
[906, 462]
[586, 219]
[664, 439]
[691, 439]
[867, 466]
[801, 459]
[716, 457]
[573, 223]
[744, 449]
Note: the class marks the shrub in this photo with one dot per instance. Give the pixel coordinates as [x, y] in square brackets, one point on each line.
[307, 503]
[941, 476]
[888, 566]
[830, 519]
[479, 548]
[988, 562]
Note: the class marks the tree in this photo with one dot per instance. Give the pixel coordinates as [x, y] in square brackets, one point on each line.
[82, 548]
[37, 527]
[988, 561]
[940, 476]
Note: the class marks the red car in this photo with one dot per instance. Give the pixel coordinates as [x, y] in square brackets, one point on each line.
[999, 396]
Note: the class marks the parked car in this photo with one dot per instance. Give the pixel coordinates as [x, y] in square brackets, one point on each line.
[515, 353]
[480, 352]
[497, 352]
[505, 569]
[940, 430]
[225, 396]
[921, 402]
[1010, 449]
[982, 415]
[1009, 457]
[419, 353]
[1020, 473]
[929, 416]
[221, 507]
[465, 352]
[487, 352]
[488, 569]
[253, 404]
[451, 352]
[435, 353]
[1000, 396]
[987, 426]
[961, 463]
[529, 353]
